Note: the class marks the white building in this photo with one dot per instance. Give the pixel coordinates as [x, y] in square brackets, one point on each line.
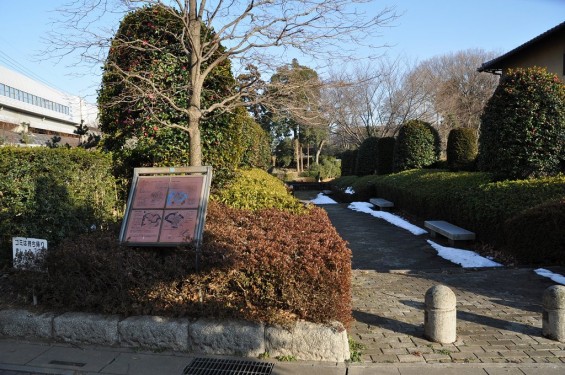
[32, 113]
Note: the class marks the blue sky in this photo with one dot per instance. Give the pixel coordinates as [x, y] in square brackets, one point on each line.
[426, 28]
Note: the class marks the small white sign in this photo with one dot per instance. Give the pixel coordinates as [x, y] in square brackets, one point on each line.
[24, 245]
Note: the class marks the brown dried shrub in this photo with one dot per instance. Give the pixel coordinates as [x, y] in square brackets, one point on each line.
[267, 265]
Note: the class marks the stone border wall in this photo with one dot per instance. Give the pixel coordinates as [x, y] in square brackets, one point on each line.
[304, 341]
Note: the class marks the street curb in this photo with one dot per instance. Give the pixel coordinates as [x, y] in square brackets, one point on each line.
[304, 341]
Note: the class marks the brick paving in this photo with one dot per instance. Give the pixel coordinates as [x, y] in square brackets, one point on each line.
[498, 310]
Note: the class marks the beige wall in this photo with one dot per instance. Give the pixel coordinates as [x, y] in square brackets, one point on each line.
[547, 54]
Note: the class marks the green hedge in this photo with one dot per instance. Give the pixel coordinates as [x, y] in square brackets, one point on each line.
[348, 162]
[467, 199]
[54, 193]
[417, 146]
[254, 189]
[462, 148]
[536, 234]
[367, 157]
[385, 155]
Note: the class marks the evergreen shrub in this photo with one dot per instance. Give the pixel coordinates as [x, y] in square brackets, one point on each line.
[467, 199]
[462, 148]
[385, 155]
[523, 126]
[417, 146]
[535, 235]
[348, 162]
[254, 189]
[54, 193]
[367, 157]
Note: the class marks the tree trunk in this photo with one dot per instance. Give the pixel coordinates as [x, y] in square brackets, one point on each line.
[297, 153]
[197, 81]
[319, 151]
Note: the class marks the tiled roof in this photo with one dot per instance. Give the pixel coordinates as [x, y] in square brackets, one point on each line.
[493, 64]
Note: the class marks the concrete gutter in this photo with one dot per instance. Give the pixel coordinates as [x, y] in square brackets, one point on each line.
[304, 341]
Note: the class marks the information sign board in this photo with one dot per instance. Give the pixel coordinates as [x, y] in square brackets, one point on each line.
[23, 245]
[166, 206]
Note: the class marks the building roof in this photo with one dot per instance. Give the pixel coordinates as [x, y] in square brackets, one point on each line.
[495, 64]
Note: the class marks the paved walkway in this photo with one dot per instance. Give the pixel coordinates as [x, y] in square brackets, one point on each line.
[499, 310]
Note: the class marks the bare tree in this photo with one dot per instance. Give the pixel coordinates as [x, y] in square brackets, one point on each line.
[459, 91]
[247, 31]
[375, 100]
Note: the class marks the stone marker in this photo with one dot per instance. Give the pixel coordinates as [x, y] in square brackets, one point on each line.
[553, 321]
[440, 319]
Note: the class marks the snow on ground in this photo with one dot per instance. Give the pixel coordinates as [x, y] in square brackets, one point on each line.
[387, 216]
[349, 190]
[323, 199]
[465, 258]
[553, 276]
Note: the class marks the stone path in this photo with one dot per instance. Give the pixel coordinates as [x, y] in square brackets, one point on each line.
[499, 310]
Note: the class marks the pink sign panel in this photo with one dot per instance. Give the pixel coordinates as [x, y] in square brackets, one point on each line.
[164, 209]
[151, 192]
[184, 192]
[178, 226]
[144, 226]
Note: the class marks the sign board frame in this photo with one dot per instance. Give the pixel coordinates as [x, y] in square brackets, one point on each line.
[166, 206]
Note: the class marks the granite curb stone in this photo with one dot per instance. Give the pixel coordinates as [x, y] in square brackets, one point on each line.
[23, 323]
[305, 341]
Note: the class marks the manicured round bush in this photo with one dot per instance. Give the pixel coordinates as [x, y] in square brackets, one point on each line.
[536, 235]
[462, 149]
[523, 126]
[385, 155]
[417, 146]
[348, 162]
[367, 157]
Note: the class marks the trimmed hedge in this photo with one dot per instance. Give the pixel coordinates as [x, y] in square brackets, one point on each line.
[54, 193]
[462, 148]
[417, 146]
[266, 265]
[255, 189]
[468, 199]
[385, 155]
[523, 126]
[536, 235]
[367, 157]
[348, 162]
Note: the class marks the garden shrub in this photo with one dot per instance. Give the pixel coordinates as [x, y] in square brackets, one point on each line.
[535, 235]
[255, 189]
[417, 146]
[385, 155]
[462, 149]
[54, 193]
[468, 199]
[136, 121]
[523, 126]
[348, 162]
[256, 143]
[329, 167]
[367, 157]
[267, 265]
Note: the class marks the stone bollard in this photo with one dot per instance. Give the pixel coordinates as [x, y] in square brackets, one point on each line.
[440, 319]
[553, 320]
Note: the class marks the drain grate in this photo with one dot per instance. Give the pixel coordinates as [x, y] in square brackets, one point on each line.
[212, 366]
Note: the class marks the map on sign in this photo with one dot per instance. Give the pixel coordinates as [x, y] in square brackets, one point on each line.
[165, 209]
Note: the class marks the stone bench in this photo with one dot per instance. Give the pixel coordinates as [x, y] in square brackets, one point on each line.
[381, 203]
[452, 232]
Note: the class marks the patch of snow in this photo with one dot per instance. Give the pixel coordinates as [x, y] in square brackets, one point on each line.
[349, 190]
[553, 276]
[387, 216]
[465, 258]
[322, 199]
